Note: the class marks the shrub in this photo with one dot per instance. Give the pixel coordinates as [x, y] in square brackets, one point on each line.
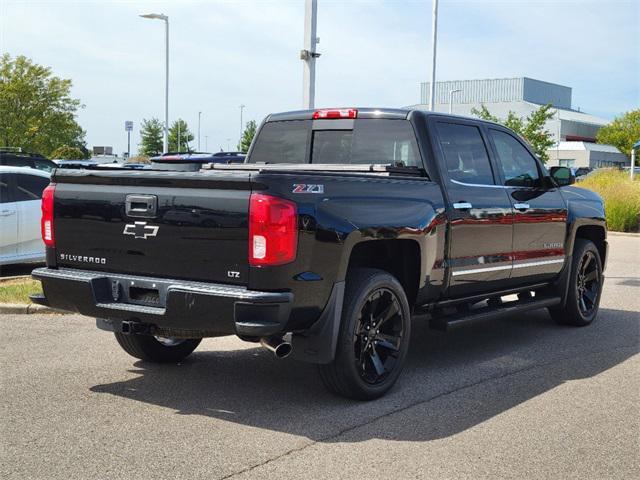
[621, 198]
[67, 153]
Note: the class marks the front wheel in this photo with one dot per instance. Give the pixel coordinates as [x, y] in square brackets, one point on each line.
[584, 289]
[157, 349]
[373, 339]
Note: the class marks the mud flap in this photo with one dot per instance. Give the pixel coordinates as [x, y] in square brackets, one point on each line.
[318, 344]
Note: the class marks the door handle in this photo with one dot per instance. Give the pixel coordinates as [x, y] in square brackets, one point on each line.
[7, 213]
[521, 206]
[462, 206]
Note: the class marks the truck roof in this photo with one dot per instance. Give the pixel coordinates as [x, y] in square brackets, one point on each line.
[365, 112]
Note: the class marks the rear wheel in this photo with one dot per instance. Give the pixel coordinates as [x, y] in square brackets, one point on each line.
[374, 337]
[584, 289]
[157, 349]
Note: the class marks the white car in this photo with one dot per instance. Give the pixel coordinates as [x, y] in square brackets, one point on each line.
[20, 197]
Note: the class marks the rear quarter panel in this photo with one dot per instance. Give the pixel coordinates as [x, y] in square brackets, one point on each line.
[350, 210]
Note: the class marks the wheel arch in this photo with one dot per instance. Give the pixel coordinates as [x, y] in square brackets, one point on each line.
[400, 257]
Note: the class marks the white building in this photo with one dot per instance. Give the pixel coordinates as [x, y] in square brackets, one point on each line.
[586, 154]
[521, 95]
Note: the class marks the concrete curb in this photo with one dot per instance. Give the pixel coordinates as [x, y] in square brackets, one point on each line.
[27, 308]
[624, 234]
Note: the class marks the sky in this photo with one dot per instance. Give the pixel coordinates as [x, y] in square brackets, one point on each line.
[374, 53]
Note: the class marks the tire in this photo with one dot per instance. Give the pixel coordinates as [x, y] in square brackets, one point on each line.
[367, 365]
[584, 289]
[157, 350]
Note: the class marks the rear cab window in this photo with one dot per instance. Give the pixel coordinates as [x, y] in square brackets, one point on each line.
[359, 141]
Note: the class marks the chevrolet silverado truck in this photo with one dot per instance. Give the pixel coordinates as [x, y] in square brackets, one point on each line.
[339, 227]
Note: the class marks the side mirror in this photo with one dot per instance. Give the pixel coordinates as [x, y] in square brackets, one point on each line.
[563, 176]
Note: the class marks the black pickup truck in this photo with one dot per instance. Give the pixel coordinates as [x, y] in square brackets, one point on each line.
[339, 227]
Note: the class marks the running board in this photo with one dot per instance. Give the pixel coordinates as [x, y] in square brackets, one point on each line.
[456, 320]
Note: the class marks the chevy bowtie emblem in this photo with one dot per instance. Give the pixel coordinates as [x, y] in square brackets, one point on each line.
[140, 230]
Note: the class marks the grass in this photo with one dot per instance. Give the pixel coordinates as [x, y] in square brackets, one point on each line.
[18, 291]
[621, 198]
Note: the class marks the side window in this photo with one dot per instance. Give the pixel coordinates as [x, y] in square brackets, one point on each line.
[19, 162]
[4, 188]
[465, 153]
[30, 187]
[519, 167]
[44, 165]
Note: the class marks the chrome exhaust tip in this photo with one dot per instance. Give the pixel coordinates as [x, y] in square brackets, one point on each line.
[277, 345]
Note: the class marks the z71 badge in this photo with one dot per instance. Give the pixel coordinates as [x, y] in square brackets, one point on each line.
[308, 188]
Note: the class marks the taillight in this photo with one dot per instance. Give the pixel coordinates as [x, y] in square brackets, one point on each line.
[273, 230]
[335, 113]
[46, 223]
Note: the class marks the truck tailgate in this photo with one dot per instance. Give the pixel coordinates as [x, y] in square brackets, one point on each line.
[161, 224]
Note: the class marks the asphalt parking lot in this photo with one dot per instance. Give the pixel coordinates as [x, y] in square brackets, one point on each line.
[512, 398]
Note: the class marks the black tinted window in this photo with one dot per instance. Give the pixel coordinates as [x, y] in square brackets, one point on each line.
[332, 146]
[281, 142]
[4, 188]
[381, 141]
[519, 167]
[465, 154]
[370, 141]
[30, 187]
[18, 162]
[385, 141]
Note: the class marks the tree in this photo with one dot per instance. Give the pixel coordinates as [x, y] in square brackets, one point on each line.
[531, 128]
[623, 132]
[151, 132]
[67, 153]
[38, 111]
[247, 136]
[185, 136]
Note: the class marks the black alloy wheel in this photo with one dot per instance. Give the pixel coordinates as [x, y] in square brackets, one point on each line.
[378, 336]
[373, 339]
[584, 288]
[588, 283]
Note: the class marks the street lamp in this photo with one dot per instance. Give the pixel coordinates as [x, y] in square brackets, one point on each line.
[241, 124]
[160, 16]
[199, 115]
[434, 41]
[451, 92]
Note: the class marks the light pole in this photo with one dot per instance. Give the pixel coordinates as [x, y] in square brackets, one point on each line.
[309, 54]
[179, 138]
[434, 40]
[241, 124]
[161, 16]
[199, 115]
[633, 158]
[451, 92]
